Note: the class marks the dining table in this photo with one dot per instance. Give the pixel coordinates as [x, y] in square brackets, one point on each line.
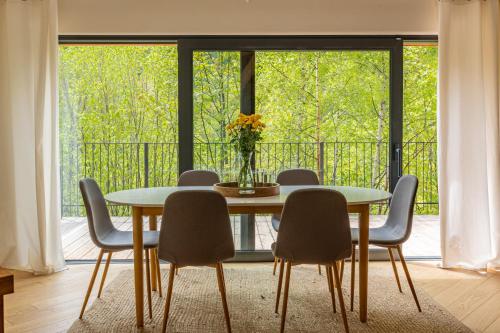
[149, 202]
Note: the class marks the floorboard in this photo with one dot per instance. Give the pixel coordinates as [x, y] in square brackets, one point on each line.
[51, 303]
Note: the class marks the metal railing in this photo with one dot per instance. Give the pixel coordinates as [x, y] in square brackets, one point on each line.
[117, 166]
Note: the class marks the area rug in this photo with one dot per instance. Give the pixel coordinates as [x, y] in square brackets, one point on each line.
[197, 307]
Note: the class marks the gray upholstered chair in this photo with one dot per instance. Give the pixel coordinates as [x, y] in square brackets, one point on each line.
[196, 231]
[109, 239]
[394, 232]
[314, 229]
[293, 177]
[198, 178]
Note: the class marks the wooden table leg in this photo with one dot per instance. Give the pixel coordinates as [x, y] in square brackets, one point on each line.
[138, 265]
[154, 269]
[364, 222]
[2, 329]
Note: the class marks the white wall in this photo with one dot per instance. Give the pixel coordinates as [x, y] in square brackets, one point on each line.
[254, 17]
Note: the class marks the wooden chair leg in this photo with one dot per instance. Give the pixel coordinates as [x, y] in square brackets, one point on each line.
[341, 297]
[353, 274]
[319, 269]
[91, 284]
[328, 278]
[408, 277]
[280, 281]
[395, 269]
[342, 271]
[331, 287]
[223, 278]
[158, 272]
[285, 296]
[171, 275]
[222, 288]
[276, 260]
[148, 283]
[106, 267]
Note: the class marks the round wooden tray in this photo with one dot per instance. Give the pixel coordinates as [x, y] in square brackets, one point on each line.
[231, 189]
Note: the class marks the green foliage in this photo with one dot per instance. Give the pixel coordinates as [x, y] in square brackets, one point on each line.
[324, 110]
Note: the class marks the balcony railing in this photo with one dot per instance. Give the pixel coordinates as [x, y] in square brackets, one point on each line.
[118, 166]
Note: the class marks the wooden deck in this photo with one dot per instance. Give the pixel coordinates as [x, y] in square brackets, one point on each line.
[77, 244]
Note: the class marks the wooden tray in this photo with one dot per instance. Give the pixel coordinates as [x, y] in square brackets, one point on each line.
[231, 189]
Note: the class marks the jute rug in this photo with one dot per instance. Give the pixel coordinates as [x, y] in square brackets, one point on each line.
[196, 304]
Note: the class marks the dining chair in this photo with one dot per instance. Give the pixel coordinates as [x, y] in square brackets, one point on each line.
[110, 240]
[394, 232]
[314, 229]
[293, 177]
[196, 231]
[198, 178]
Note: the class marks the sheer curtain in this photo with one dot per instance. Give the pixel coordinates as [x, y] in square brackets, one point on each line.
[468, 133]
[30, 236]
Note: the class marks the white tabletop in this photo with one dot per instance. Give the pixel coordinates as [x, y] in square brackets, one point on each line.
[155, 196]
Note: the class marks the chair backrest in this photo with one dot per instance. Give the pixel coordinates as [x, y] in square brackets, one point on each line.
[297, 177]
[314, 227]
[195, 229]
[97, 212]
[400, 218]
[198, 178]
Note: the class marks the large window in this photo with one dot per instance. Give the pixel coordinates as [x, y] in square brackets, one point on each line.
[359, 111]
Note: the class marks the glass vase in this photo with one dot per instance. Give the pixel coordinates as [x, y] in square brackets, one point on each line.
[246, 178]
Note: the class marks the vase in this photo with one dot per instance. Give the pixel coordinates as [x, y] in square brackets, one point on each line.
[246, 178]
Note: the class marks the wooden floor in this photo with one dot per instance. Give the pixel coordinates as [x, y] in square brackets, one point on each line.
[424, 241]
[52, 303]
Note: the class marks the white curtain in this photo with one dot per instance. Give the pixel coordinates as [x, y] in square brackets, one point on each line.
[30, 236]
[468, 133]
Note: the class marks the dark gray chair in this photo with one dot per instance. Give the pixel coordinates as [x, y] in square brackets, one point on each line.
[314, 229]
[196, 231]
[109, 239]
[394, 232]
[293, 177]
[198, 178]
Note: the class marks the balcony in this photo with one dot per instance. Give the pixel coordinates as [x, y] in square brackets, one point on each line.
[118, 166]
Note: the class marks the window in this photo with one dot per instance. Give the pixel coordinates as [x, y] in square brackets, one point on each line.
[359, 111]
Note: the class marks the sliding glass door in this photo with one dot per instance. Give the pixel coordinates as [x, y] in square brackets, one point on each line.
[331, 105]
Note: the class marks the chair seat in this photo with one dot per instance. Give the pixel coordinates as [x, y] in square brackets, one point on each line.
[382, 236]
[123, 240]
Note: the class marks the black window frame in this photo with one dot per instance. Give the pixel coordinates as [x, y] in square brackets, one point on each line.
[247, 45]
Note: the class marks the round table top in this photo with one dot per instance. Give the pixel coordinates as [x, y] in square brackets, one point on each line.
[155, 196]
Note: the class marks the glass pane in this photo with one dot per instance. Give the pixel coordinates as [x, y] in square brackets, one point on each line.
[216, 104]
[216, 77]
[327, 111]
[420, 144]
[117, 122]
